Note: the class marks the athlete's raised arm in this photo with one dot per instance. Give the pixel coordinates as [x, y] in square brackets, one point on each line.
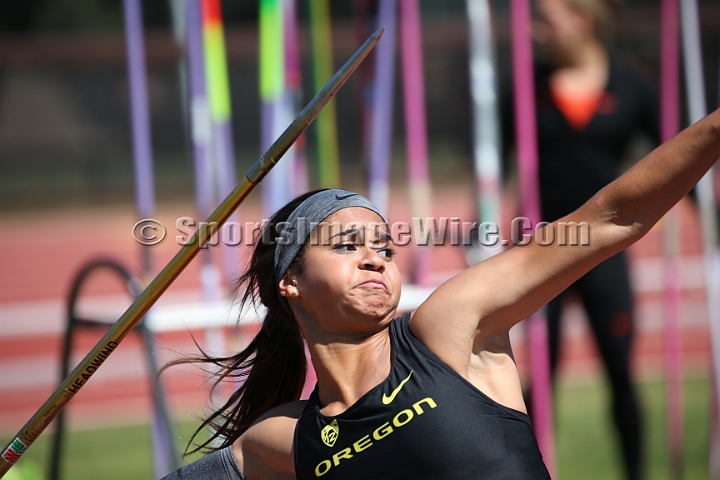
[489, 298]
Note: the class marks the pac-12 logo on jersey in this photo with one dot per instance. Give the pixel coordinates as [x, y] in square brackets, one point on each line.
[330, 433]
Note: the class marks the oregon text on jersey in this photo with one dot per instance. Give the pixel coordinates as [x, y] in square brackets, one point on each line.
[401, 418]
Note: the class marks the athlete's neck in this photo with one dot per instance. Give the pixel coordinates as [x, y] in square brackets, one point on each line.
[347, 368]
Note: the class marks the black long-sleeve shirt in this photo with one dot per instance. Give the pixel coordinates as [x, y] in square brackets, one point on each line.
[575, 163]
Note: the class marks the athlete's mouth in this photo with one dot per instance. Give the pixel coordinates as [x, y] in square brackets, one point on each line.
[374, 283]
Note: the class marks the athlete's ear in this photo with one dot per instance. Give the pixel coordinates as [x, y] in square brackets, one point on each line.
[288, 286]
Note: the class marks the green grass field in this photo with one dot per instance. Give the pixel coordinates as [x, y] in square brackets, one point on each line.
[586, 446]
[585, 440]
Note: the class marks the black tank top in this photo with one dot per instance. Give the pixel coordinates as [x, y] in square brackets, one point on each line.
[423, 422]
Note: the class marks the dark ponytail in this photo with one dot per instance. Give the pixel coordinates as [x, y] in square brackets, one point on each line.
[273, 367]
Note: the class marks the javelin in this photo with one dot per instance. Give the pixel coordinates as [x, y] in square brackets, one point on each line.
[92, 361]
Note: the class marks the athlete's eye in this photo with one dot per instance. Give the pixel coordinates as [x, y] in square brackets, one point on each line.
[345, 247]
[387, 252]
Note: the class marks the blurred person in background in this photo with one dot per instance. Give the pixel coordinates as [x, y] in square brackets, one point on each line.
[590, 106]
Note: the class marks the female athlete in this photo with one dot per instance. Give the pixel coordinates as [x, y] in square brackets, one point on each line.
[433, 394]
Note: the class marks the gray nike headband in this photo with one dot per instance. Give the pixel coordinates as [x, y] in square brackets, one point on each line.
[302, 221]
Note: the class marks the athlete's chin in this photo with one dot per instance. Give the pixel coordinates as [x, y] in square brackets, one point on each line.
[374, 307]
[379, 311]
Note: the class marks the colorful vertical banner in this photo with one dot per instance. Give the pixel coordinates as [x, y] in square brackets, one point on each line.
[526, 135]
[165, 459]
[200, 119]
[486, 125]
[210, 121]
[139, 109]
[293, 81]
[416, 141]
[669, 126]
[216, 71]
[695, 94]
[218, 93]
[364, 23]
[274, 112]
[216, 60]
[326, 123]
[382, 112]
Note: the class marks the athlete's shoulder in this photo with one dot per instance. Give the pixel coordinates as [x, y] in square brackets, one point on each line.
[401, 321]
[400, 333]
[266, 448]
[218, 465]
[290, 409]
[275, 426]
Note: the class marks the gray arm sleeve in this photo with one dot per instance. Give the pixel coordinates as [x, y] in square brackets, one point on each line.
[220, 465]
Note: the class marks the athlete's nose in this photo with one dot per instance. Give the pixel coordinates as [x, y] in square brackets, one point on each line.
[372, 260]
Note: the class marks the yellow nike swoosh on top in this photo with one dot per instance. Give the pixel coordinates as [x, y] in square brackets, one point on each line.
[388, 399]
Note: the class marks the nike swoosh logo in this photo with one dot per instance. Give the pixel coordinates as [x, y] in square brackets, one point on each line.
[343, 197]
[389, 399]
